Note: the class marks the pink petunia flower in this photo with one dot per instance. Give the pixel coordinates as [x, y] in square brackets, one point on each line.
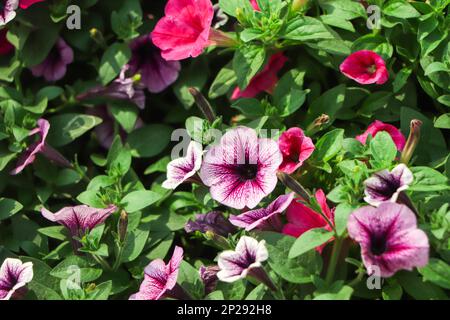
[40, 146]
[264, 81]
[264, 218]
[24, 4]
[295, 148]
[302, 218]
[389, 238]
[160, 280]
[241, 170]
[8, 11]
[378, 126]
[54, 67]
[365, 67]
[14, 276]
[184, 30]
[5, 46]
[181, 169]
[255, 5]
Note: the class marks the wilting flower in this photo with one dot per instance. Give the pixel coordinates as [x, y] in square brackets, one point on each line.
[8, 11]
[209, 277]
[14, 276]
[295, 148]
[264, 218]
[181, 169]
[156, 73]
[184, 30]
[302, 218]
[255, 5]
[213, 221]
[241, 170]
[54, 67]
[24, 4]
[160, 280]
[378, 126]
[389, 238]
[387, 186]
[40, 146]
[220, 18]
[5, 46]
[365, 67]
[265, 80]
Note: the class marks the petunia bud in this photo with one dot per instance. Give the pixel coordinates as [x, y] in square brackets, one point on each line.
[123, 225]
[97, 36]
[221, 39]
[412, 142]
[203, 105]
[294, 185]
[317, 124]
[298, 4]
[219, 240]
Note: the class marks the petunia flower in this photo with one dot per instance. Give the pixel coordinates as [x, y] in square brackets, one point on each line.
[387, 186]
[213, 221]
[263, 81]
[40, 146]
[185, 29]
[5, 46]
[208, 275]
[160, 280]
[264, 218]
[14, 276]
[255, 5]
[378, 126]
[389, 238]
[24, 4]
[241, 170]
[156, 73]
[54, 67]
[181, 169]
[302, 218]
[365, 67]
[295, 148]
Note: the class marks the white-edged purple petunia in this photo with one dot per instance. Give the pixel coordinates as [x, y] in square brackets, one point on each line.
[389, 238]
[241, 170]
[387, 186]
[14, 276]
[181, 169]
[213, 221]
[264, 218]
[8, 11]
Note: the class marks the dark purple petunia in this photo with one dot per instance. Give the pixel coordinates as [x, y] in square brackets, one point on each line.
[54, 67]
[213, 222]
[156, 73]
[209, 277]
[14, 276]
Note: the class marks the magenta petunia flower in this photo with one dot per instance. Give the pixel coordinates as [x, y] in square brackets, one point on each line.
[184, 30]
[181, 169]
[389, 238]
[209, 277]
[5, 46]
[54, 67]
[255, 5]
[213, 221]
[365, 67]
[160, 280]
[40, 146]
[24, 4]
[245, 260]
[378, 126]
[302, 218]
[295, 148]
[241, 170]
[264, 218]
[387, 186]
[156, 73]
[14, 276]
[264, 81]
[8, 11]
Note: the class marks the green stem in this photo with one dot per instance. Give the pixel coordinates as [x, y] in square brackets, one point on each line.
[102, 262]
[118, 257]
[333, 261]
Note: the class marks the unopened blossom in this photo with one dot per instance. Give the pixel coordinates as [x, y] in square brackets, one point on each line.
[8, 11]
[213, 221]
[263, 81]
[5, 46]
[378, 126]
[387, 185]
[209, 277]
[39, 147]
[365, 67]
[220, 18]
[14, 276]
[181, 169]
[389, 238]
[264, 218]
[160, 280]
[255, 5]
[156, 73]
[24, 4]
[54, 67]
[295, 148]
[241, 169]
[302, 218]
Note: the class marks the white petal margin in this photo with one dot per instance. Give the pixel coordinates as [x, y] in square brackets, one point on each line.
[23, 273]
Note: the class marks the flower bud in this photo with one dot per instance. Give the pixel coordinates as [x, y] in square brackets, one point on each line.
[123, 225]
[412, 141]
[203, 105]
[294, 185]
[298, 4]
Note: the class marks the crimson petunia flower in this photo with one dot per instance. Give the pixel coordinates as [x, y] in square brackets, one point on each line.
[241, 170]
[184, 30]
[295, 148]
[24, 4]
[5, 46]
[302, 218]
[389, 238]
[365, 67]
[14, 276]
[378, 126]
[265, 80]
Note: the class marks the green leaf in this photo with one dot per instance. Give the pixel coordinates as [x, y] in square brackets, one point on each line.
[127, 19]
[119, 157]
[113, 60]
[303, 28]
[401, 79]
[249, 107]
[125, 114]
[8, 207]
[150, 140]
[189, 279]
[134, 244]
[138, 200]
[77, 268]
[329, 145]
[230, 6]
[341, 214]
[308, 241]
[383, 148]
[247, 61]
[224, 81]
[438, 272]
[443, 121]
[413, 285]
[191, 77]
[288, 95]
[55, 232]
[392, 291]
[102, 291]
[344, 293]
[400, 9]
[428, 180]
[329, 103]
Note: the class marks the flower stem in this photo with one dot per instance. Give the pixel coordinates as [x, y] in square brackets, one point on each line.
[333, 261]
[101, 261]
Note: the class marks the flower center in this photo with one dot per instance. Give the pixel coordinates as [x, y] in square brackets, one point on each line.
[247, 171]
[372, 69]
[378, 245]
